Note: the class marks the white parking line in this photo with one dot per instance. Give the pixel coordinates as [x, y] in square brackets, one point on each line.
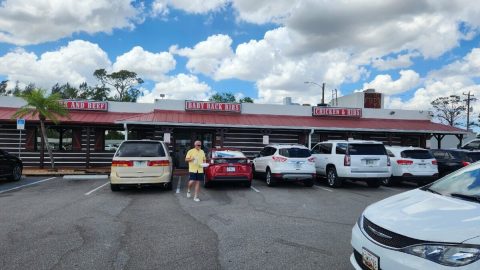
[179, 184]
[44, 180]
[323, 188]
[93, 190]
[256, 190]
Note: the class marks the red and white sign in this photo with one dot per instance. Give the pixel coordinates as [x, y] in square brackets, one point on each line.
[85, 105]
[333, 111]
[212, 106]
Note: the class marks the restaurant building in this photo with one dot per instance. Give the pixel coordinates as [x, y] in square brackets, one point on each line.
[91, 133]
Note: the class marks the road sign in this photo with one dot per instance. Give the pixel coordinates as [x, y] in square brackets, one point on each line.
[20, 123]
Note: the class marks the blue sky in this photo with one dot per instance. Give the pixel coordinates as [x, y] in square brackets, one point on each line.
[412, 51]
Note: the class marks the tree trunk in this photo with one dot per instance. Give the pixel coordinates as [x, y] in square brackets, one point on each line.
[45, 138]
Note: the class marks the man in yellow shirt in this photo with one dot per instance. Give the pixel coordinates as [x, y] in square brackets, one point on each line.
[195, 157]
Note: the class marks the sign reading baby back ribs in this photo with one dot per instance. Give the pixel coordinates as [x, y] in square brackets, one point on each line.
[86, 105]
[211, 106]
[334, 111]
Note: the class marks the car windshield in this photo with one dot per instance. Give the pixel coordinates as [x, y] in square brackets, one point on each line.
[366, 149]
[461, 155]
[295, 152]
[140, 149]
[227, 154]
[464, 182]
[416, 154]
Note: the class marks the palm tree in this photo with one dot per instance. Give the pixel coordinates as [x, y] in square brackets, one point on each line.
[45, 107]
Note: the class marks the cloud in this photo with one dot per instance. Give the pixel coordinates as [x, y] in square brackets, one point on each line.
[161, 7]
[385, 84]
[74, 63]
[206, 56]
[401, 61]
[25, 22]
[146, 64]
[181, 86]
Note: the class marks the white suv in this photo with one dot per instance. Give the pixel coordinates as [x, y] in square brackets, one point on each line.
[355, 160]
[287, 162]
[411, 164]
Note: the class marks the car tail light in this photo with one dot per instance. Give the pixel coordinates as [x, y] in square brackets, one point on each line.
[434, 162]
[346, 160]
[158, 163]
[389, 162]
[404, 162]
[312, 159]
[465, 163]
[122, 163]
[279, 159]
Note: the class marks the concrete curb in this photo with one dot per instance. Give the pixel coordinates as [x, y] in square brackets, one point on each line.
[85, 177]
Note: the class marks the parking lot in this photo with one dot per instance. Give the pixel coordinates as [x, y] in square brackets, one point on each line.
[55, 223]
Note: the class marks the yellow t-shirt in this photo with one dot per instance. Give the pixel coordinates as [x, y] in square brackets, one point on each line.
[195, 166]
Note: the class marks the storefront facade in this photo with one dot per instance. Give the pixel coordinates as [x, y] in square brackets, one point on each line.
[89, 136]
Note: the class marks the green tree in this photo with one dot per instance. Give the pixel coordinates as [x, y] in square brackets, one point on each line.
[449, 109]
[44, 107]
[3, 89]
[230, 98]
[66, 91]
[124, 82]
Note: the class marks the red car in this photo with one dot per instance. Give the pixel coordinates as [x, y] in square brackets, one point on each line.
[228, 165]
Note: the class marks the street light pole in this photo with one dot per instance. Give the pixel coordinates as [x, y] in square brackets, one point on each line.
[323, 90]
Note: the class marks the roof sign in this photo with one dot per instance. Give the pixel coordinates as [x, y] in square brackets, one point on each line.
[337, 112]
[212, 106]
[86, 105]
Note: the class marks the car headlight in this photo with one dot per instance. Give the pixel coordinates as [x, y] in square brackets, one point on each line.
[454, 255]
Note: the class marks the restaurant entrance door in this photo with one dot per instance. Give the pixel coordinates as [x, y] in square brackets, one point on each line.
[184, 142]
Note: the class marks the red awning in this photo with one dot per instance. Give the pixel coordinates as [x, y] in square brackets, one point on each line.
[75, 117]
[166, 117]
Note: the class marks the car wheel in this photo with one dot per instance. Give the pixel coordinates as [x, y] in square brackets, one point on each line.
[16, 173]
[332, 178]
[388, 182]
[115, 187]
[308, 183]
[374, 183]
[269, 179]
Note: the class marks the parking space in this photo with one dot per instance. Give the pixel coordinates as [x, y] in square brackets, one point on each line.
[82, 224]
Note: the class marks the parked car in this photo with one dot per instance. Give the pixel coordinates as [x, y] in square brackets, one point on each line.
[111, 147]
[356, 160]
[472, 145]
[432, 227]
[413, 164]
[141, 162]
[227, 165]
[10, 166]
[285, 162]
[450, 160]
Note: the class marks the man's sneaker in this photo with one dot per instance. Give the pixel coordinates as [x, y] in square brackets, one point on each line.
[189, 194]
[196, 199]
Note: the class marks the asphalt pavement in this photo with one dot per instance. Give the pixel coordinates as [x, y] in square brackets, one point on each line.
[56, 223]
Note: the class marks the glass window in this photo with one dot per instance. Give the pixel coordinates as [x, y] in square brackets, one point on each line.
[439, 154]
[60, 139]
[472, 145]
[141, 149]
[474, 156]
[113, 138]
[316, 149]
[341, 148]
[366, 149]
[227, 154]
[390, 153]
[326, 148]
[416, 154]
[295, 152]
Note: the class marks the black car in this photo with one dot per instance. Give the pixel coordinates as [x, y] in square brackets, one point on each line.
[10, 166]
[450, 160]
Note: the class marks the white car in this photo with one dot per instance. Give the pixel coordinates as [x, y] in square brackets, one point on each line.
[141, 162]
[285, 162]
[472, 145]
[413, 164]
[356, 160]
[435, 227]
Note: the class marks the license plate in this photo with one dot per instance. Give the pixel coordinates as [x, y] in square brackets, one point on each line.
[140, 164]
[370, 260]
[230, 169]
[370, 162]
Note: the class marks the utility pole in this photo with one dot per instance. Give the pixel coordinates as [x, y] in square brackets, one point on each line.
[323, 91]
[469, 98]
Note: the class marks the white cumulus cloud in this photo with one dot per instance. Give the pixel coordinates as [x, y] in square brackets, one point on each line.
[385, 84]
